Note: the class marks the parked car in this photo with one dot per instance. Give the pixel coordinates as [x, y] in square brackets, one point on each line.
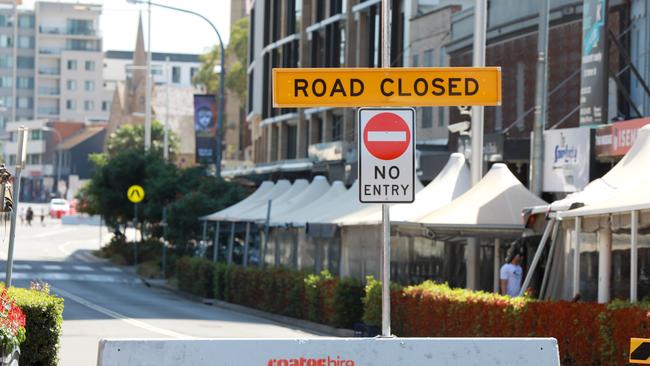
[58, 208]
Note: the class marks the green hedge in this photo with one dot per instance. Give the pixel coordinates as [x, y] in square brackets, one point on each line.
[320, 298]
[44, 315]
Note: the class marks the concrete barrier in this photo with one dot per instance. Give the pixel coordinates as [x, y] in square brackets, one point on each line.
[329, 352]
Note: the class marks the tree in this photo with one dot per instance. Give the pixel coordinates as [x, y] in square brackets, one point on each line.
[130, 136]
[237, 50]
[206, 77]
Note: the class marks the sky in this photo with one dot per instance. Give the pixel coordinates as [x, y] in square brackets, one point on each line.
[171, 31]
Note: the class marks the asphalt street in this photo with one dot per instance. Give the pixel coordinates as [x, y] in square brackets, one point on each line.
[107, 301]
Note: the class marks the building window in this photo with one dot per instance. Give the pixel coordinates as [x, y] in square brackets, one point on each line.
[71, 104]
[428, 58]
[25, 62]
[89, 85]
[25, 42]
[26, 21]
[24, 102]
[72, 85]
[36, 135]
[416, 60]
[176, 74]
[33, 159]
[4, 21]
[81, 45]
[89, 105]
[5, 61]
[72, 64]
[3, 122]
[105, 105]
[427, 117]
[5, 41]
[5, 81]
[25, 82]
[6, 101]
[12, 159]
[337, 127]
[82, 27]
[90, 65]
[193, 71]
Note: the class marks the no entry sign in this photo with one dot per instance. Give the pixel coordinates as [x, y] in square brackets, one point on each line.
[386, 155]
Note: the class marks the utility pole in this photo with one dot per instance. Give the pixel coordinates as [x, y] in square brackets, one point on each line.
[385, 208]
[478, 53]
[20, 164]
[147, 118]
[541, 93]
[15, 61]
[166, 138]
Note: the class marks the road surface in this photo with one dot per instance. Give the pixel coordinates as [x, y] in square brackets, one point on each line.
[107, 301]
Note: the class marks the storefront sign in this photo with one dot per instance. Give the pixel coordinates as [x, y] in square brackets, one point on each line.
[615, 140]
[566, 159]
[593, 75]
[374, 87]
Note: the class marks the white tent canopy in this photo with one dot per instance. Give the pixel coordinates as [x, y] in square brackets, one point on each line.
[299, 216]
[452, 181]
[258, 213]
[314, 191]
[494, 202]
[635, 198]
[280, 187]
[248, 202]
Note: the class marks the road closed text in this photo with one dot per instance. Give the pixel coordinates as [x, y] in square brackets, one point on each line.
[386, 87]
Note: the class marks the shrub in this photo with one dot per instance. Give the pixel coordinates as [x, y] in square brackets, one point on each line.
[44, 315]
[196, 276]
[587, 333]
[122, 252]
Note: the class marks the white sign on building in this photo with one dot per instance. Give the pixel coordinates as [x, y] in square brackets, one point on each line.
[566, 159]
[386, 155]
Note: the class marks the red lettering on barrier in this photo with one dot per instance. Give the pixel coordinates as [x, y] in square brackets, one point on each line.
[302, 361]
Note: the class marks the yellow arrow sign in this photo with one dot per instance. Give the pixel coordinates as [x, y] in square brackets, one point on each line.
[640, 350]
[374, 87]
[135, 193]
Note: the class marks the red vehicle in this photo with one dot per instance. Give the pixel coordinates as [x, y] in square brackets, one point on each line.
[58, 208]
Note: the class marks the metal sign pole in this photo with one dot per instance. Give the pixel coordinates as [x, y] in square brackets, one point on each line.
[385, 217]
[135, 237]
[20, 163]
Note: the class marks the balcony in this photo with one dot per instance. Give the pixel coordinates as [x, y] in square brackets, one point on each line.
[48, 111]
[87, 32]
[53, 71]
[49, 91]
[326, 151]
[49, 51]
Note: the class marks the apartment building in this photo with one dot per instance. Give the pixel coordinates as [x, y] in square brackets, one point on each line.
[57, 61]
[305, 33]
[118, 65]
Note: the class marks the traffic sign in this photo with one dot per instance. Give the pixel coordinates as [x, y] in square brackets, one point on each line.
[386, 87]
[386, 155]
[639, 350]
[135, 193]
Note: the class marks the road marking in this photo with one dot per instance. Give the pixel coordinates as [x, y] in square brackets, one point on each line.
[22, 266]
[79, 277]
[83, 268]
[52, 267]
[118, 316]
[111, 269]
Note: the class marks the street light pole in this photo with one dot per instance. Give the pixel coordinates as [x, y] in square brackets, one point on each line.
[147, 118]
[222, 75]
[20, 164]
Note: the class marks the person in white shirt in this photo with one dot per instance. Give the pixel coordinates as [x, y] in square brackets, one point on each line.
[511, 273]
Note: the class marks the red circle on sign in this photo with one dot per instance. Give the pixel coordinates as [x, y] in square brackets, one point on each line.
[386, 136]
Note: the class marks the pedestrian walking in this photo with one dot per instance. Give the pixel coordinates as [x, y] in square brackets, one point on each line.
[29, 215]
[42, 216]
[511, 272]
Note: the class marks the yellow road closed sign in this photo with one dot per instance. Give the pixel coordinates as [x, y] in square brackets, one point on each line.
[377, 87]
[640, 350]
[135, 193]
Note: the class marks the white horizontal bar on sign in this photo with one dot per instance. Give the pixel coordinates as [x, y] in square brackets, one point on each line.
[386, 136]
